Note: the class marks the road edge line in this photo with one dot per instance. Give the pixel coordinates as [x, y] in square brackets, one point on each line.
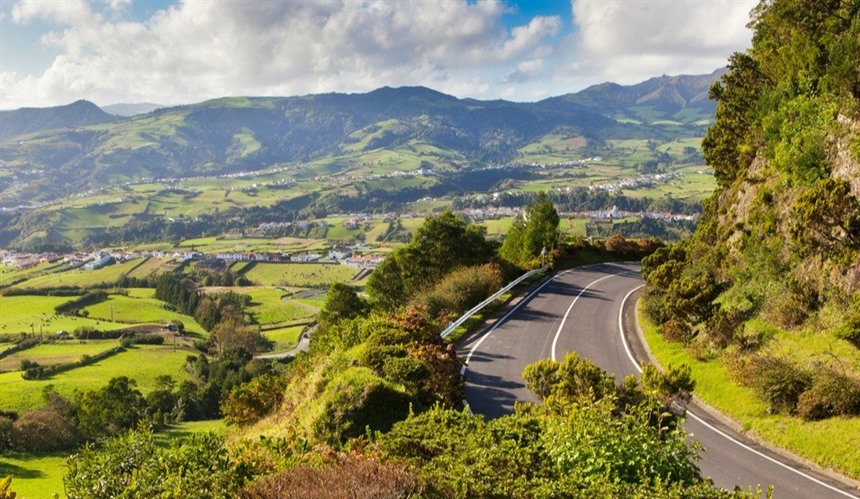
[702, 405]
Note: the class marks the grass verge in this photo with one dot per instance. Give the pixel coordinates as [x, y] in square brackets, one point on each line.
[833, 443]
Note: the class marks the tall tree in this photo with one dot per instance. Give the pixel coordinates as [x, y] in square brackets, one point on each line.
[530, 234]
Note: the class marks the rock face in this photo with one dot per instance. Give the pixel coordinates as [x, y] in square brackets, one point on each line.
[846, 165]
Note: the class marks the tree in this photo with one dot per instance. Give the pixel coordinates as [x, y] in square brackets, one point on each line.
[529, 235]
[111, 410]
[342, 302]
[441, 244]
[232, 334]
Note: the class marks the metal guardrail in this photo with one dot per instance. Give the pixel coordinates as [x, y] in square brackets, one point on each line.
[459, 322]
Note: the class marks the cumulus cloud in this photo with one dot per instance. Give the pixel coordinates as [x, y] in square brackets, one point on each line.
[201, 49]
[630, 40]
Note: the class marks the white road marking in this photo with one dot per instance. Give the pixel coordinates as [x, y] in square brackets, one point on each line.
[714, 429]
[503, 319]
[564, 319]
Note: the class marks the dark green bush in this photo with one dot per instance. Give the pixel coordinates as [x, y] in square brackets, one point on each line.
[833, 393]
[778, 381]
[374, 357]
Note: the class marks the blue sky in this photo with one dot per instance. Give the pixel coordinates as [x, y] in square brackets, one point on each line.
[171, 52]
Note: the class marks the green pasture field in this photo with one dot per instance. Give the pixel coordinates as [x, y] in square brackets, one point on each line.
[9, 275]
[831, 443]
[240, 245]
[19, 312]
[316, 301]
[34, 475]
[153, 265]
[81, 277]
[284, 338]
[60, 352]
[41, 475]
[299, 274]
[268, 307]
[497, 227]
[142, 363]
[102, 214]
[138, 310]
[140, 292]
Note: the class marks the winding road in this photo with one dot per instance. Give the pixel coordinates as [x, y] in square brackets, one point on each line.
[590, 310]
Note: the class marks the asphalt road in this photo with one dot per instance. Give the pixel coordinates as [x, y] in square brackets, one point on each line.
[581, 310]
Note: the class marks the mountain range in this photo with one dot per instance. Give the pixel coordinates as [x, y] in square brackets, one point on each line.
[48, 153]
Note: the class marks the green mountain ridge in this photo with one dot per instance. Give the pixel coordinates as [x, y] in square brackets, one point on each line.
[251, 133]
[29, 120]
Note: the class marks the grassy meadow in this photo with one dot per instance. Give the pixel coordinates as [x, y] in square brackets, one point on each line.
[142, 363]
[35, 314]
[82, 277]
[271, 307]
[132, 309]
[299, 274]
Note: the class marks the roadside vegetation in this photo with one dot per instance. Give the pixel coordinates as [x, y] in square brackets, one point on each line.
[766, 289]
[370, 397]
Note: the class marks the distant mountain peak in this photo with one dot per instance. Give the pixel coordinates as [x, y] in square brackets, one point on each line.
[34, 119]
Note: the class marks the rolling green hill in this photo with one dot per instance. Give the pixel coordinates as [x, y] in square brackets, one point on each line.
[234, 134]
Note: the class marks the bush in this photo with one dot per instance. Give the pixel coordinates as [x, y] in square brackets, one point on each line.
[374, 356]
[406, 371]
[676, 330]
[778, 381]
[654, 305]
[356, 400]
[832, 394]
[43, 430]
[251, 401]
[462, 289]
[132, 465]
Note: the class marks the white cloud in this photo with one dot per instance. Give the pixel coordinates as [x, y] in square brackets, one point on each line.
[201, 49]
[630, 40]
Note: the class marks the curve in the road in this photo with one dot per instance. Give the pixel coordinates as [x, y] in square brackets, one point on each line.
[710, 426]
[546, 321]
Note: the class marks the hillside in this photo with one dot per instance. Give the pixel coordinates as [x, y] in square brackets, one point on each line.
[246, 134]
[769, 286]
[28, 120]
[664, 99]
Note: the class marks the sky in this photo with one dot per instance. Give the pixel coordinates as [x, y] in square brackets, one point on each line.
[168, 52]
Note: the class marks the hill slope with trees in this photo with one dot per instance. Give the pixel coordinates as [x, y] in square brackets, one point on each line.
[770, 283]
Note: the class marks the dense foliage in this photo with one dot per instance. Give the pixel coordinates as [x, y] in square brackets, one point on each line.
[442, 244]
[779, 241]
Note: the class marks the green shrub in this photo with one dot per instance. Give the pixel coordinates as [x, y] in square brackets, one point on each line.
[132, 465]
[251, 401]
[462, 289]
[832, 393]
[406, 371]
[654, 305]
[356, 400]
[677, 330]
[374, 356]
[43, 430]
[778, 381]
